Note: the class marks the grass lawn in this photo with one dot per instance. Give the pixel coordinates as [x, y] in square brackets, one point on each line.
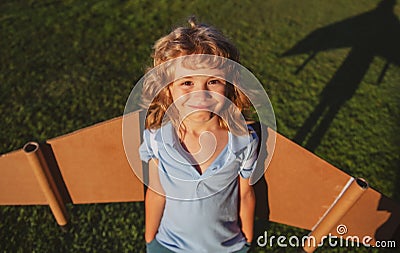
[69, 64]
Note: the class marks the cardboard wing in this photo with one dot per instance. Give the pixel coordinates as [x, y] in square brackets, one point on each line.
[88, 166]
[305, 191]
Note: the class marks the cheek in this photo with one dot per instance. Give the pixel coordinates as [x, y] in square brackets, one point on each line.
[222, 95]
[222, 104]
[179, 98]
[223, 91]
[175, 94]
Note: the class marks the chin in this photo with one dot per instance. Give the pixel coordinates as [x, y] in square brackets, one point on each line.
[202, 116]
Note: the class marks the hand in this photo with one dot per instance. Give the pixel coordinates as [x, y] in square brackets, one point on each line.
[148, 238]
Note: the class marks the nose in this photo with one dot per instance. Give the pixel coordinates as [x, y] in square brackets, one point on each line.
[201, 91]
[201, 95]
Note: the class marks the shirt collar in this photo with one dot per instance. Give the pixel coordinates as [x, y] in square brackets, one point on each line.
[167, 135]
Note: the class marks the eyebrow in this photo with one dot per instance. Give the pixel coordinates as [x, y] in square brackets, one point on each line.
[191, 77]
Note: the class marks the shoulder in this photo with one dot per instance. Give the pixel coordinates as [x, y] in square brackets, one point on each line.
[240, 143]
[147, 133]
[149, 148]
[252, 133]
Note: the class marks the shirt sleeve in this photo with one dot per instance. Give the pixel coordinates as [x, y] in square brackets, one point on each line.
[250, 157]
[146, 149]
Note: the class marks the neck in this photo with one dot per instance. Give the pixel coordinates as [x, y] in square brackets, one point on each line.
[199, 127]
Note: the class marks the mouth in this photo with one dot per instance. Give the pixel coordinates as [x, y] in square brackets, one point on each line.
[200, 107]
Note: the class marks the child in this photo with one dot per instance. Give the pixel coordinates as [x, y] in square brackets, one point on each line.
[199, 198]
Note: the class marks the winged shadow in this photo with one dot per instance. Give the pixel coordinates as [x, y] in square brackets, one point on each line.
[375, 33]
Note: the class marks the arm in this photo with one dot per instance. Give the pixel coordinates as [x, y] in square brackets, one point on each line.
[154, 202]
[246, 208]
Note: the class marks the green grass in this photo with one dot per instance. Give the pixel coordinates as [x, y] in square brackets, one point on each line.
[68, 64]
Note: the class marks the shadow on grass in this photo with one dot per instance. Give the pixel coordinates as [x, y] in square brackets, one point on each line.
[390, 230]
[375, 33]
[370, 34]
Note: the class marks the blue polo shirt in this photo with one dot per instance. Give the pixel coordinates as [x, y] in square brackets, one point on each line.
[201, 210]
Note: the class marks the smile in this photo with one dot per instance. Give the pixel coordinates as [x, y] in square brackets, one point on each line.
[200, 107]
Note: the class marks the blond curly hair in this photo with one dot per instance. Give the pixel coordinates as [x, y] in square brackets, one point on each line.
[193, 40]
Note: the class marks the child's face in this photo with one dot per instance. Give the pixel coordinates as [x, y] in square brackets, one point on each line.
[198, 94]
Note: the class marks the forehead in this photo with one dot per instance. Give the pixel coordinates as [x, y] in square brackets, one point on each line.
[181, 71]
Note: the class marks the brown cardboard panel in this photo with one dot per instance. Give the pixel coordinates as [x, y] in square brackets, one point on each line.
[94, 166]
[301, 186]
[18, 185]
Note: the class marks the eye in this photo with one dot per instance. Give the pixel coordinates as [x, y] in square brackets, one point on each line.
[187, 83]
[216, 82]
